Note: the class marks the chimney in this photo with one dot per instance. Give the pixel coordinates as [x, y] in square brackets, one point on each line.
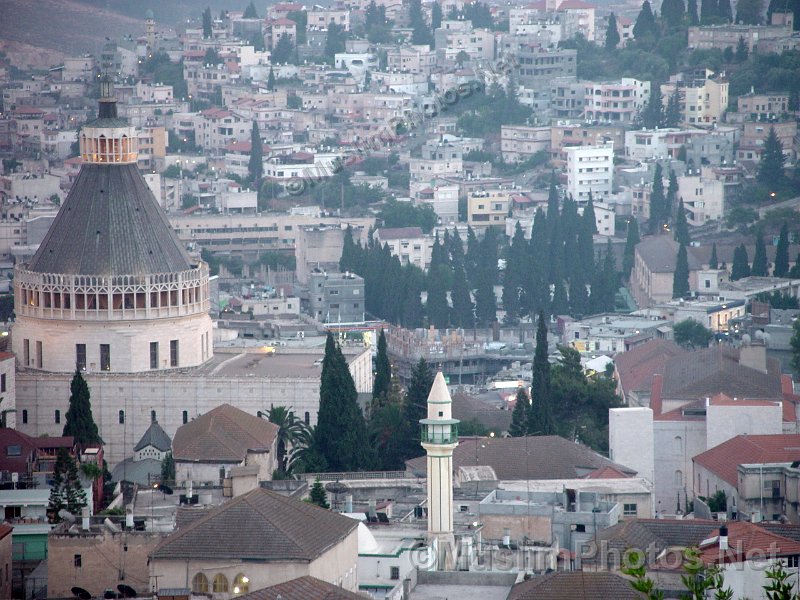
[348, 503]
[85, 518]
[189, 489]
[723, 537]
[129, 516]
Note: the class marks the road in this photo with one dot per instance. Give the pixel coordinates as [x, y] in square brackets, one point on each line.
[791, 203]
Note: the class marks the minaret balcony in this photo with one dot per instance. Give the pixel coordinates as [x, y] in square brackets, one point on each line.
[439, 431]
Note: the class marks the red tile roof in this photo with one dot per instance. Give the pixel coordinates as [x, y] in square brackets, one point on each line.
[723, 460]
[637, 366]
[746, 540]
[5, 529]
[607, 473]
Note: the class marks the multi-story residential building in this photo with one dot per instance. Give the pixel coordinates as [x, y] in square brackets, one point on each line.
[538, 65]
[752, 142]
[478, 44]
[727, 36]
[590, 169]
[563, 137]
[520, 142]
[654, 265]
[644, 144]
[319, 17]
[567, 98]
[215, 128]
[79, 68]
[624, 29]
[573, 16]
[411, 59]
[605, 218]
[616, 102]
[276, 28]
[710, 148]
[762, 107]
[438, 159]
[409, 244]
[444, 201]
[489, 207]
[336, 297]
[703, 197]
[703, 95]
[610, 334]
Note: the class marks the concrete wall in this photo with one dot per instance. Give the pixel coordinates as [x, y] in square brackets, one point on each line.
[726, 422]
[5, 566]
[630, 439]
[104, 559]
[676, 443]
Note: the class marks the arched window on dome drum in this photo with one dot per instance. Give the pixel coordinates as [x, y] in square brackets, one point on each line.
[200, 584]
[241, 584]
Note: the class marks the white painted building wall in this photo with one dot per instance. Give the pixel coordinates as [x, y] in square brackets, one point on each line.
[630, 439]
[590, 169]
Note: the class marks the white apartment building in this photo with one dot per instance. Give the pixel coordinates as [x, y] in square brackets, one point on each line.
[704, 96]
[444, 201]
[520, 142]
[409, 244]
[590, 169]
[438, 160]
[616, 102]
[703, 197]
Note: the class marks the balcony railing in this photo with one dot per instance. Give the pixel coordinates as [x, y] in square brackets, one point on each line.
[438, 434]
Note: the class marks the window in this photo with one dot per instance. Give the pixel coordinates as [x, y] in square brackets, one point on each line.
[57, 417]
[307, 418]
[580, 528]
[678, 478]
[24, 417]
[153, 355]
[394, 573]
[3, 382]
[80, 357]
[241, 584]
[173, 353]
[220, 583]
[185, 417]
[105, 357]
[200, 584]
[39, 355]
[14, 450]
[26, 352]
[152, 416]
[77, 560]
[122, 417]
[629, 510]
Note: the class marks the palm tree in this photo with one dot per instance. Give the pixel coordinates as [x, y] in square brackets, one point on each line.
[290, 430]
[304, 456]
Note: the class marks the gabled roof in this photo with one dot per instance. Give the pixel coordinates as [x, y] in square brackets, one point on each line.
[11, 461]
[710, 371]
[744, 540]
[607, 472]
[156, 437]
[5, 529]
[258, 526]
[551, 457]
[571, 585]
[635, 368]
[110, 224]
[303, 588]
[724, 460]
[224, 434]
[660, 253]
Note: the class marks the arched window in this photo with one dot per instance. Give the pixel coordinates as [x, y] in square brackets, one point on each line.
[241, 584]
[307, 418]
[220, 583]
[200, 584]
[122, 417]
[678, 478]
[677, 444]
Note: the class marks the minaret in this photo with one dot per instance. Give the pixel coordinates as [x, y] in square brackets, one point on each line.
[150, 28]
[439, 437]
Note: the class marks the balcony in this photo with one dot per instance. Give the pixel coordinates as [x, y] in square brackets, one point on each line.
[444, 433]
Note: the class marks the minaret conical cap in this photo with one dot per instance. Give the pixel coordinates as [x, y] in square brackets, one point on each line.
[439, 393]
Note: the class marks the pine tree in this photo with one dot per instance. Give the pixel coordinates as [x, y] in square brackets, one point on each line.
[680, 278]
[250, 12]
[760, 266]
[742, 51]
[658, 216]
[691, 11]
[340, 431]
[713, 262]
[630, 247]
[74, 494]
[519, 416]
[682, 226]
[335, 40]
[540, 419]
[318, 495]
[207, 30]
[782, 253]
[612, 33]
[383, 373]
[741, 264]
[283, 50]
[80, 423]
[57, 501]
[271, 80]
[255, 166]
[770, 170]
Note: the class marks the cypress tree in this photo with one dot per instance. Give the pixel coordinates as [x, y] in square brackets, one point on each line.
[421, 33]
[472, 256]
[207, 31]
[672, 114]
[652, 114]
[271, 80]
[713, 262]
[604, 283]
[672, 193]
[461, 315]
[513, 277]
[658, 202]
[741, 264]
[519, 416]
[724, 10]
[340, 431]
[770, 169]
[540, 419]
[782, 253]
[760, 266]
[682, 226]
[708, 11]
[80, 423]
[416, 407]
[612, 33]
[645, 25]
[680, 278]
[318, 495]
[250, 12]
[413, 312]
[630, 247]
[255, 166]
[691, 11]
[383, 373]
[552, 206]
[485, 300]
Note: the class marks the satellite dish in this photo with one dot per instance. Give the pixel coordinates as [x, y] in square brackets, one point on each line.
[126, 591]
[81, 593]
[165, 489]
[336, 487]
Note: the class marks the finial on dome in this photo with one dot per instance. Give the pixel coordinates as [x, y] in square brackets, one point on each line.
[108, 101]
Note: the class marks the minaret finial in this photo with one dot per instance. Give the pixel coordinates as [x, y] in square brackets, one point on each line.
[108, 101]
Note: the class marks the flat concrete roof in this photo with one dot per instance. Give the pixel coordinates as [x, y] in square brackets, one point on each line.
[428, 591]
[282, 363]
